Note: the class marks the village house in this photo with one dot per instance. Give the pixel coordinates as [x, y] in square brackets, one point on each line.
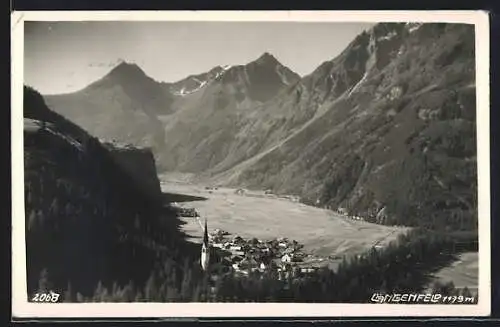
[240, 191]
[248, 264]
[236, 258]
[265, 250]
[238, 253]
[238, 240]
[282, 244]
[286, 258]
[235, 248]
[342, 211]
[307, 270]
[242, 256]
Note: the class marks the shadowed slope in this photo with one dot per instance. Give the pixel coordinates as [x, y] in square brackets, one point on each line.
[87, 218]
[399, 144]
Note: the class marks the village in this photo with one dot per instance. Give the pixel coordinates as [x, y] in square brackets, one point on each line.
[233, 254]
[244, 256]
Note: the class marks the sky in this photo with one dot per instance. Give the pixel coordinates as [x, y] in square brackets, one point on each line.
[61, 57]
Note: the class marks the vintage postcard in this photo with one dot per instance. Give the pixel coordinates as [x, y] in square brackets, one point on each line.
[250, 164]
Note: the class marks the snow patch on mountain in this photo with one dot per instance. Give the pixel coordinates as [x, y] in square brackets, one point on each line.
[184, 92]
[387, 37]
[282, 75]
[412, 27]
[355, 87]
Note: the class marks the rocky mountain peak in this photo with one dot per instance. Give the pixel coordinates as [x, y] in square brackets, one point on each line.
[267, 58]
[127, 69]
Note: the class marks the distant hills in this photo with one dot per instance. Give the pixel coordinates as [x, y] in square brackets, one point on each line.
[386, 129]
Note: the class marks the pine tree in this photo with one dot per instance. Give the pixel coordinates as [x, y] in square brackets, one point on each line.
[54, 207]
[115, 290]
[172, 294]
[196, 293]
[186, 283]
[138, 296]
[151, 289]
[68, 294]
[44, 284]
[79, 298]
[105, 296]
[32, 220]
[128, 292]
[99, 291]
[466, 292]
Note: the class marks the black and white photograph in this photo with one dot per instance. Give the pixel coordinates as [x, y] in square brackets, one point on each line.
[229, 163]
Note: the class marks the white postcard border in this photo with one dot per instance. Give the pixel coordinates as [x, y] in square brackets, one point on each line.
[21, 308]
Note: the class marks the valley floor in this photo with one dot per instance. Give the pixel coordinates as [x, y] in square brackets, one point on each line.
[323, 233]
[327, 236]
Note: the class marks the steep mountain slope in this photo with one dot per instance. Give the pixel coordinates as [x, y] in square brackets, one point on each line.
[391, 130]
[124, 105]
[398, 101]
[193, 83]
[89, 217]
[268, 124]
[206, 129]
[128, 106]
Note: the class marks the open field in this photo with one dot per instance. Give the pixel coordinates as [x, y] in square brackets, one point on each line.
[322, 232]
[463, 272]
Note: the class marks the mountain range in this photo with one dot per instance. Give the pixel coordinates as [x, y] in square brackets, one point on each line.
[386, 129]
[89, 213]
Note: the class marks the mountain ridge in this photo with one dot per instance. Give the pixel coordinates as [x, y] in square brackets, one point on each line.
[391, 96]
[84, 201]
[375, 112]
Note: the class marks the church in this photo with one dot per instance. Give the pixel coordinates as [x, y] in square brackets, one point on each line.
[205, 249]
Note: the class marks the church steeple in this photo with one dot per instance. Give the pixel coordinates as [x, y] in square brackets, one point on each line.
[205, 254]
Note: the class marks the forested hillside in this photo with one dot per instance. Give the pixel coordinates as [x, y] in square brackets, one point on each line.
[94, 235]
[393, 133]
[87, 219]
[385, 130]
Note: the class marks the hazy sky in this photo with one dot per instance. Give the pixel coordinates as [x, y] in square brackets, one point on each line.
[67, 56]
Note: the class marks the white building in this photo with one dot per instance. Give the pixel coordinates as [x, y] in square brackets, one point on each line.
[286, 258]
[205, 254]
